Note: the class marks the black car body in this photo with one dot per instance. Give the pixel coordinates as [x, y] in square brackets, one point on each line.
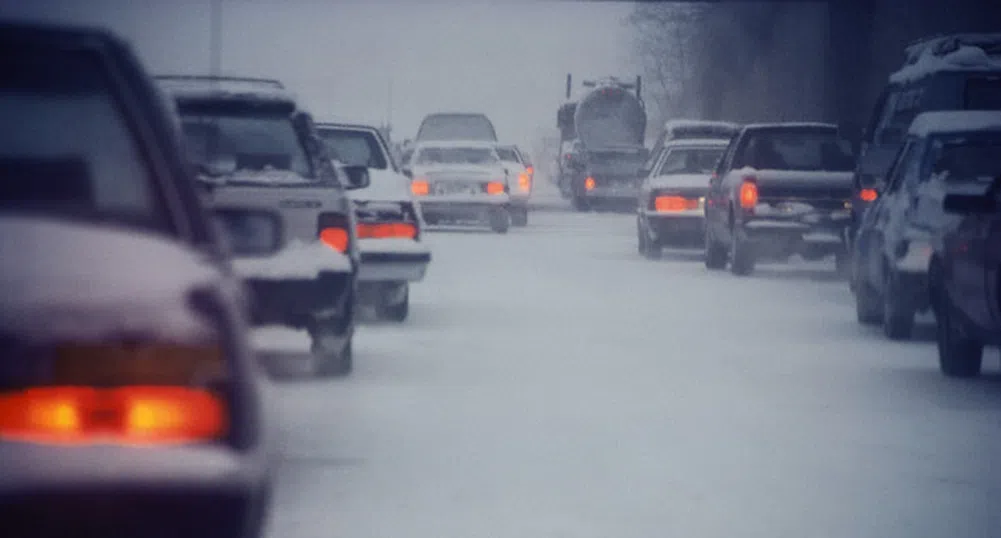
[944, 152]
[934, 78]
[119, 309]
[253, 145]
[779, 189]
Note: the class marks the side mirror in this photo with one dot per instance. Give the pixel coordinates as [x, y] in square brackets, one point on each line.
[357, 176]
[969, 204]
[250, 232]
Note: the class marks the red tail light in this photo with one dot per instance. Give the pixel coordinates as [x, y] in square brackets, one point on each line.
[668, 204]
[524, 181]
[420, 187]
[126, 415]
[749, 193]
[868, 195]
[333, 231]
[530, 170]
[495, 187]
[384, 230]
[590, 184]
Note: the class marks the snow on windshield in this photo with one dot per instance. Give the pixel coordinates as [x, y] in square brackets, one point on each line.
[792, 150]
[267, 147]
[457, 156]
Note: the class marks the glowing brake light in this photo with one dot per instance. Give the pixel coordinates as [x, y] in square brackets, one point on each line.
[420, 187]
[524, 181]
[384, 230]
[668, 204]
[125, 415]
[333, 231]
[530, 170]
[748, 193]
[868, 195]
[590, 184]
[495, 187]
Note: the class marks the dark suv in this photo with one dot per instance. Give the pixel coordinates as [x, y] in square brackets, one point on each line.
[944, 152]
[129, 398]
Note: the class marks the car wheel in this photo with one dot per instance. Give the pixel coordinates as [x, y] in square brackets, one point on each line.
[333, 358]
[958, 355]
[500, 220]
[898, 320]
[395, 311]
[647, 248]
[519, 217]
[741, 254]
[715, 252]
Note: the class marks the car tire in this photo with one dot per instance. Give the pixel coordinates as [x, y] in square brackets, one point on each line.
[868, 303]
[647, 248]
[843, 264]
[898, 320]
[958, 355]
[397, 312]
[741, 254]
[519, 217]
[500, 220]
[715, 253]
[330, 361]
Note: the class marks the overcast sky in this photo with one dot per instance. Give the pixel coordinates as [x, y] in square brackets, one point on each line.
[507, 59]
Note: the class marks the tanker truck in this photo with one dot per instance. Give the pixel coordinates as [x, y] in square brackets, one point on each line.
[601, 141]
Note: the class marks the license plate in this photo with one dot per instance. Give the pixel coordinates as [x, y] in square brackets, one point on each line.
[445, 188]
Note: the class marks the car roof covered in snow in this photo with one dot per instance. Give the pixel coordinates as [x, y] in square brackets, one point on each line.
[962, 121]
[195, 89]
[804, 125]
[485, 144]
[684, 123]
[697, 142]
[950, 53]
[345, 125]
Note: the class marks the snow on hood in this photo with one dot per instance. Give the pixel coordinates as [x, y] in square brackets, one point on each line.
[74, 281]
[680, 181]
[385, 186]
[965, 58]
[298, 260]
[959, 121]
[267, 177]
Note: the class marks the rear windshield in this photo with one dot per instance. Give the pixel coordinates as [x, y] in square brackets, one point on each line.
[701, 131]
[974, 158]
[66, 148]
[797, 150]
[615, 161]
[456, 156]
[231, 145]
[508, 154]
[690, 161]
[457, 127]
[983, 94]
[354, 148]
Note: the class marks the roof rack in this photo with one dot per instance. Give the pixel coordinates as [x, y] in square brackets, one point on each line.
[943, 44]
[273, 83]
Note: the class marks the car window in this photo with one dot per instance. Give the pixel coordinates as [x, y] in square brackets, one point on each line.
[456, 127]
[983, 93]
[508, 154]
[249, 142]
[797, 150]
[66, 148]
[883, 126]
[967, 159]
[689, 161]
[896, 174]
[456, 155]
[354, 148]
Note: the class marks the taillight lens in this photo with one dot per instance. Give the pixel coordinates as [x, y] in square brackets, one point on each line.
[333, 231]
[590, 184]
[420, 187]
[748, 193]
[495, 187]
[868, 195]
[674, 203]
[385, 230]
[524, 181]
[125, 415]
[530, 170]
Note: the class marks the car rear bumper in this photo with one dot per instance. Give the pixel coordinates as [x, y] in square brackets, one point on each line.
[680, 227]
[189, 491]
[393, 266]
[462, 209]
[297, 302]
[612, 193]
[823, 236]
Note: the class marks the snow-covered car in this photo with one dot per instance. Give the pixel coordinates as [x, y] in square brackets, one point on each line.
[388, 222]
[441, 126]
[519, 167]
[944, 153]
[130, 399]
[461, 183]
[780, 189]
[671, 205]
[253, 145]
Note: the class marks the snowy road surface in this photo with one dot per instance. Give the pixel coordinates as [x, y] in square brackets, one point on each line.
[551, 383]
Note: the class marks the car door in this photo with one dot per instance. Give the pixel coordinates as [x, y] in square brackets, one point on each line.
[883, 227]
[975, 259]
[715, 197]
